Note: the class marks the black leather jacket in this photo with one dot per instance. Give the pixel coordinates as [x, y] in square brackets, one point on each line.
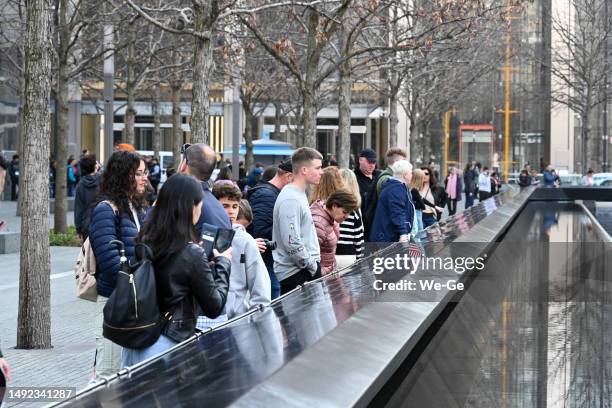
[187, 280]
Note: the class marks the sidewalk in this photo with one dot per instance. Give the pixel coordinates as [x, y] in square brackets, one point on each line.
[8, 209]
[68, 363]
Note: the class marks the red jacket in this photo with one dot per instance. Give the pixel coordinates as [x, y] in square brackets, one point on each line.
[327, 232]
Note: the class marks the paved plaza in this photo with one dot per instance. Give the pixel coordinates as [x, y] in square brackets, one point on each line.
[69, 362]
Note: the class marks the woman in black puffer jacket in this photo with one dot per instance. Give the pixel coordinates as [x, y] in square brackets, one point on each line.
[183, 276]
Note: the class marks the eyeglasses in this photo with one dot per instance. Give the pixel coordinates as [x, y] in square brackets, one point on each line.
[141, 174]
[185, 147]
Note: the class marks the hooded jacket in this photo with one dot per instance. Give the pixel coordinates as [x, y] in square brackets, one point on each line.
[327, 232]
[84, 201]
[249, 281]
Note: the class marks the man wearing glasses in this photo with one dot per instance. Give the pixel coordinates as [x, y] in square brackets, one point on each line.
[199, 161]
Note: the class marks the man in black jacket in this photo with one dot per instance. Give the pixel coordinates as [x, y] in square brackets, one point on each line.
[85, 196]
[262, 198]
[14, 174]
[365, 173]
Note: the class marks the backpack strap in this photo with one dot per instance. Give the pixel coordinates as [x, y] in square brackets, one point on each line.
[117, 217]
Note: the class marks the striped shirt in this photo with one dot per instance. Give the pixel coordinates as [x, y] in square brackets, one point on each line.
[351, 237]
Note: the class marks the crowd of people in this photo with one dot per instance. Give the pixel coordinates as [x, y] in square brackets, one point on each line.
[292, 223]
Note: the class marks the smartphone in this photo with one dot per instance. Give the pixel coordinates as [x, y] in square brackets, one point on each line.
[217, 238]
[224, 239]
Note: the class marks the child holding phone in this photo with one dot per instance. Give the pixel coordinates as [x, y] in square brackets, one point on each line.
[249, 283]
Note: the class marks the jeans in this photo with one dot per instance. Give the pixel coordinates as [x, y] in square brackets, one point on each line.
[469, 200]
[428, 219]
[274, 283]
[418, 218]
[108, 354]
[452, 206]
[130, 357]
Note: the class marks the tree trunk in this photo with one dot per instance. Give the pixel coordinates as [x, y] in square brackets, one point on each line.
[157, 122]
[249, 160]
[584, 142]
[393, 120]
[309, 120]
[344, 111]
[61, 110]
[61, 153]
[21, 133]
[593, 145]
[202, 71]
[130, 115]
[34, 318]
[277, 121]
[308, 88]
[416, 145]
[177, 131]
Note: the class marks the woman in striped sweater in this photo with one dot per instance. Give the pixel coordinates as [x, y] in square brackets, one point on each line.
[351, 240]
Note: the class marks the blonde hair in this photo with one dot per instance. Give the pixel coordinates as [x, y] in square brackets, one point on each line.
[330, 181]
[418, 179]
[350, 184]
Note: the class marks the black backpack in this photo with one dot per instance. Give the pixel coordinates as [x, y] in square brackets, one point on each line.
[131, 314]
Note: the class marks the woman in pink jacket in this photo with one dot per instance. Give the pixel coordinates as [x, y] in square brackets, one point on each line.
[327, 215]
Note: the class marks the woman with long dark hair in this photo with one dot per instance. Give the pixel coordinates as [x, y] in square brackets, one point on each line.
[182, 271]
[118, 215]
[431, 195]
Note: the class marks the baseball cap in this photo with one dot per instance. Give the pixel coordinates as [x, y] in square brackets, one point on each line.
[286, 166]
[369, 154]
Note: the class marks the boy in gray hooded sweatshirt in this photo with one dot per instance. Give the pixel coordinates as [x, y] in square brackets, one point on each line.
[249, 282]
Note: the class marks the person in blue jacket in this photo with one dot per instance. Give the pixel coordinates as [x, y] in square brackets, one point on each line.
[123, 184]
[550, 178]
[199, 161]
[395, 211]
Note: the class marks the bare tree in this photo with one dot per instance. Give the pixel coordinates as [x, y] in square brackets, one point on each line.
[202, 20]
[259, 78]
[581, 34]
[34, 317]
[75, 50]
[311, 29]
